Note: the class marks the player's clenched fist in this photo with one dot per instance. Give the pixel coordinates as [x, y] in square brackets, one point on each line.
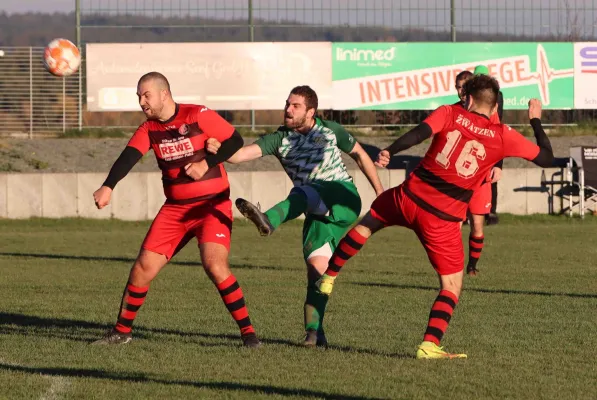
[212, 145]
[534, 108]
[102, 197]
[383, 159]
[196, 170]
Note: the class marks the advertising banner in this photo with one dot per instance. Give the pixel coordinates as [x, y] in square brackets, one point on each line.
[585, 75]
[222, 76]
[420, 76]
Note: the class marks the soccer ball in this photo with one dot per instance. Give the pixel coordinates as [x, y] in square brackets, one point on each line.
[61, 57]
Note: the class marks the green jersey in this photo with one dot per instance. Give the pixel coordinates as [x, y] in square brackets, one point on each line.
[315, 156]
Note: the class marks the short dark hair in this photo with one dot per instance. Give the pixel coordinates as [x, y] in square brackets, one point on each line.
[463, 75]
[160, 78]
[483, 89]
[308, 94]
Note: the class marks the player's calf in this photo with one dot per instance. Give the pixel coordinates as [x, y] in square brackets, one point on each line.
[475, 246]
[234, 300]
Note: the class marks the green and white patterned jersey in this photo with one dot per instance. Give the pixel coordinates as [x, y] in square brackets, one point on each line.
[315, 156]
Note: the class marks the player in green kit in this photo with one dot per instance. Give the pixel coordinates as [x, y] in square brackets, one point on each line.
[310, 150]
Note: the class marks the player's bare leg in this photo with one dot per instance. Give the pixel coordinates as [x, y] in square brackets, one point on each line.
[315, 303]
[439, 318]
[214, 258]
[146, 267]
[476, 239]
[348, 247]
[452, 282]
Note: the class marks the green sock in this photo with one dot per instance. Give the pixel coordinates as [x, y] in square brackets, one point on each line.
[314, 308]
[286, 210]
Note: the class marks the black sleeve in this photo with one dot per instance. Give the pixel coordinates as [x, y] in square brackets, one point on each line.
[122, 166]
[500, 111]
[500, 102]
[545, 157]
[411, 138]
[227, 150]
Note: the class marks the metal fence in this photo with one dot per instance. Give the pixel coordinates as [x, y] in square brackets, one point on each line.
[336, 20]
[33, 102]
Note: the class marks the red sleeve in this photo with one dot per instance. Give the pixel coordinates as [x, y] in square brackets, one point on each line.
[213, 125]
[516, 145]
[439, 119]
[140, 139]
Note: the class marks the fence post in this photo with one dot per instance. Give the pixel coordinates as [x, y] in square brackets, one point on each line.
[453, 19]
[79, 45]
[30, 92]
[251, 39]
[63, 104]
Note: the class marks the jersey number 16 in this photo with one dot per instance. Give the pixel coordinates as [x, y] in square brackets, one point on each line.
[466, 163]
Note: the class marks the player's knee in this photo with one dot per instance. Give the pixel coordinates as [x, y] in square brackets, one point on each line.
[316, 266]
[315, 204]
[477, 228]
[369, 225]
[216, 267]
[149, 261]
[452, 283]
[477, 231]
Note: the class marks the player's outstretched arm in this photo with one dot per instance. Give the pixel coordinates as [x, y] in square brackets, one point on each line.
[247, 153]
[545, 157]
[516, 145]
[367, 167]
[122, 166]
[411, 138]
[226, 149]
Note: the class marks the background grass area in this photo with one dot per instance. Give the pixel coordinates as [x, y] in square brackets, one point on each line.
[527, 322]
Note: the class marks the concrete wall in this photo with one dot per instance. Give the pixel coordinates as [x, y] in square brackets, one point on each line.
[139, 196]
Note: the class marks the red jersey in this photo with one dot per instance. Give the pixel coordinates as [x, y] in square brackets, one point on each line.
[464, 148]
[494, 119]
[179, 141]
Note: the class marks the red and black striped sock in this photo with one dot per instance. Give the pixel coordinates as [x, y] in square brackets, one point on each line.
[475, 246]
[440, 316]
[348, 247]
[132, 300]
[233, 298]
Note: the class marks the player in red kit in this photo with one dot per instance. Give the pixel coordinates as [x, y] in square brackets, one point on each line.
[433, 200]
[197, 200]
[482, 203]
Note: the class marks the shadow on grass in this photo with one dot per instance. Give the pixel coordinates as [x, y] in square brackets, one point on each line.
[122, 259]
[174, 262]
[142, 378]
[86, 332]
[478, 290]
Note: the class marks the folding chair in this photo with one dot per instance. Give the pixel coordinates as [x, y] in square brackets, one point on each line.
[581, 174]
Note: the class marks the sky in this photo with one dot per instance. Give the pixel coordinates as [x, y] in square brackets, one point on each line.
[19, 6]
[528, 16]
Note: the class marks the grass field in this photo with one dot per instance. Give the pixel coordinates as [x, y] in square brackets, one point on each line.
[528, 322]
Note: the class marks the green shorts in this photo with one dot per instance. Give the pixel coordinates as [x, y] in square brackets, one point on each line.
[344, 204]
